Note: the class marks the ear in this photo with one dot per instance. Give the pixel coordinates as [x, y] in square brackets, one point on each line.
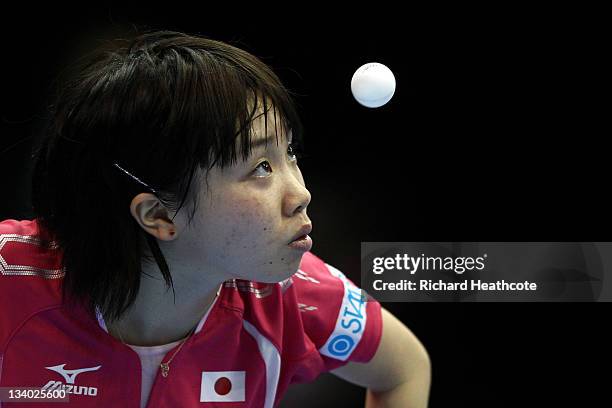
[153, 217]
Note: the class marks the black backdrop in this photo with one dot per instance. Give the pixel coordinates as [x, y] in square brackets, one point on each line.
[493, 134]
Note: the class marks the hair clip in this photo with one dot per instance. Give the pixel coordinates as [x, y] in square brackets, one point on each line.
[134, 177]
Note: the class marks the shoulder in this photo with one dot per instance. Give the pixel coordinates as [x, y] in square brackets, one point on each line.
[343, 321]
[30, 273]
[23, 253]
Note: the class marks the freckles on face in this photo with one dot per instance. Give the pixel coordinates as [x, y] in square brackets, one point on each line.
[249, 223]
[245, 232]
[247, 242]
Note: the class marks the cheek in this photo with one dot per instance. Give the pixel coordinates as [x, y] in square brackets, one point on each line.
[248, 224]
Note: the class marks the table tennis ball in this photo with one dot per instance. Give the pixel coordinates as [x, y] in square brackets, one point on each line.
[373, 85]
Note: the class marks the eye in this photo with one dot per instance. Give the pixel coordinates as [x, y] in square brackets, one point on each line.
[265, 165]
[264, 168]
[294, 151]
[291, 153]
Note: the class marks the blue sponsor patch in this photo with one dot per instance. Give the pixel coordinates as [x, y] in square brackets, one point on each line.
[351, 321]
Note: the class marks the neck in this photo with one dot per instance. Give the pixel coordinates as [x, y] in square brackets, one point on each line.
[154, 319]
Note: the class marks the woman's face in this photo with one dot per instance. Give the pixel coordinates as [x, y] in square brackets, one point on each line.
[249, 212]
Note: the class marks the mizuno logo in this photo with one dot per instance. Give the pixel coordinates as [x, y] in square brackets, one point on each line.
[70, 375]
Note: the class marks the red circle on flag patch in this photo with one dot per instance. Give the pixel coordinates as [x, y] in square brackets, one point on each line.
[223, 386]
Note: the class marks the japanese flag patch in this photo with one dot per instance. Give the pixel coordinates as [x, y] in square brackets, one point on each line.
[222, 386]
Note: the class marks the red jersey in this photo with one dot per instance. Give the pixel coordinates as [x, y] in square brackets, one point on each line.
[255, 341]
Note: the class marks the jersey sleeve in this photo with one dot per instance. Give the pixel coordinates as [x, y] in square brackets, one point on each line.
[342, 322]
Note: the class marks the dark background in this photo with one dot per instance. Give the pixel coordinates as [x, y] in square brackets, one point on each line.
[494, 134]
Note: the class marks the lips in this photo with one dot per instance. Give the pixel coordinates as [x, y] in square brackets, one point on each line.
[302, 244]
[302, 232]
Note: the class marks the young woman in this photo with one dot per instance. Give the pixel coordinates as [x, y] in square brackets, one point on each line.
[142, 129]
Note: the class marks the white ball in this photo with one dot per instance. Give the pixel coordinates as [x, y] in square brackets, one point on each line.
[373, 85]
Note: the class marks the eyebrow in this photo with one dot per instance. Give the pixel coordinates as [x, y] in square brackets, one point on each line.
[261, 142]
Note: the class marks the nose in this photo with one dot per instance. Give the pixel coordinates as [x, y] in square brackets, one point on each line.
[297, 197]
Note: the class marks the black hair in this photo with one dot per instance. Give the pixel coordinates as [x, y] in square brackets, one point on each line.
[159, 106]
